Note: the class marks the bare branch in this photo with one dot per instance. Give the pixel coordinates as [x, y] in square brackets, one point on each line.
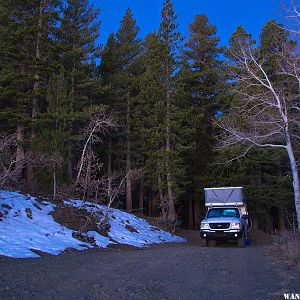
[100, 124]
[267, 107]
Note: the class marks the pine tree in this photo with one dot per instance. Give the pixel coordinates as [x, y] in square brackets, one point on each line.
[273, 39]
[206, 82]
[149, 119]
[45, 34]
[108, 68]
[78, 33]
[57, 115]
[128, 51]
[238, 38]
[108, 72]
[27, 34]
[171, 41]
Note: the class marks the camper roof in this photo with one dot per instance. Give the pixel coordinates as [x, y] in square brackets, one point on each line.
[223, 188]
[224, 196]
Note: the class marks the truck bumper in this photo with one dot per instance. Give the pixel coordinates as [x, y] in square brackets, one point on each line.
[221, 234]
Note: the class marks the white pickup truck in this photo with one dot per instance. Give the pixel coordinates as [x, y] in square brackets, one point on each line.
[227, 216]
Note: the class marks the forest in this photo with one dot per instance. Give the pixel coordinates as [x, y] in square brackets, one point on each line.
[145, 125]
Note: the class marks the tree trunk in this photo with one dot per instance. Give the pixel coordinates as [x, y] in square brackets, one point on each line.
[281, 222]
[191, 214]
[38, 57]
[196, 214]
[72, 97]
[161, 196]
[20, 152]
[150, 205]
[36, 85]
[128, 160]
[163, 204]
[88, 173]
[109, 167]
[171, 208]
[29, 174]
[255, 223]
[54, 183]
[295, 176]
[141, 197]
[69, 160]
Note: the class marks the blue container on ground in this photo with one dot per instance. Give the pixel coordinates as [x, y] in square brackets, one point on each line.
[247, 242]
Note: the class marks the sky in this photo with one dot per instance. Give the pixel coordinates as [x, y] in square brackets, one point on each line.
[225, 14]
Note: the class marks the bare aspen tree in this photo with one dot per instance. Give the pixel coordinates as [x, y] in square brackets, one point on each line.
[10, 167]
[292, 60]
[87, 179]
[264, 113]
[51, 161]
[113, 186]
[100, 124]
[292, 13]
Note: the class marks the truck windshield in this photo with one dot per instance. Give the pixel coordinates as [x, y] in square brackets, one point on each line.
[223, 212]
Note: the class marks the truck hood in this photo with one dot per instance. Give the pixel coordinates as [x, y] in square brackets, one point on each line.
[222, 220]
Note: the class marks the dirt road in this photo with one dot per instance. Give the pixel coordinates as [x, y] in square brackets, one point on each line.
[163, 272]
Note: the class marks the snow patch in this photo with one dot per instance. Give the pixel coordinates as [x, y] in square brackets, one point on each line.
[26, 225]
[144, 233]
[100, 240]
[19, 233]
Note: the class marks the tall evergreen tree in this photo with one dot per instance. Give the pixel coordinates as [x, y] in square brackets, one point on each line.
[78, 33]
[206, 82]
[27, 34]
[204, 79]
[150, 126]
[109, 67]
[128, 51]
[171, 40]
[108, 74]
[149, 119]
[273, 39]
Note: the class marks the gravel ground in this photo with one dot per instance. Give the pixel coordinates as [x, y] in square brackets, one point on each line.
[179, 271]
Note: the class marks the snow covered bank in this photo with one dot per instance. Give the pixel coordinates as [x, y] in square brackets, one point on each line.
[26, 225]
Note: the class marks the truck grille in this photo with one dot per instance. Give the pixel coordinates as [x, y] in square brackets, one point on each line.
[219, 225]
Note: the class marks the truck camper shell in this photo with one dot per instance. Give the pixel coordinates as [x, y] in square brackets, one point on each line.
[225, 196]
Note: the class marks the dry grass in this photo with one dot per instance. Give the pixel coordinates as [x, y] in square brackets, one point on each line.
[79, 219]
[160, 223]
[287, 245]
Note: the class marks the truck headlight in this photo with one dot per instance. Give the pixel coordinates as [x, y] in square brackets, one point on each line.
[235, 225]
[204, 226]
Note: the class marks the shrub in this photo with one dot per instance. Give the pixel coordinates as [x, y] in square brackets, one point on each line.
[287, 244]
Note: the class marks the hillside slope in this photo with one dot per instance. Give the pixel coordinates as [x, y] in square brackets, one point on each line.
[28, 223]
